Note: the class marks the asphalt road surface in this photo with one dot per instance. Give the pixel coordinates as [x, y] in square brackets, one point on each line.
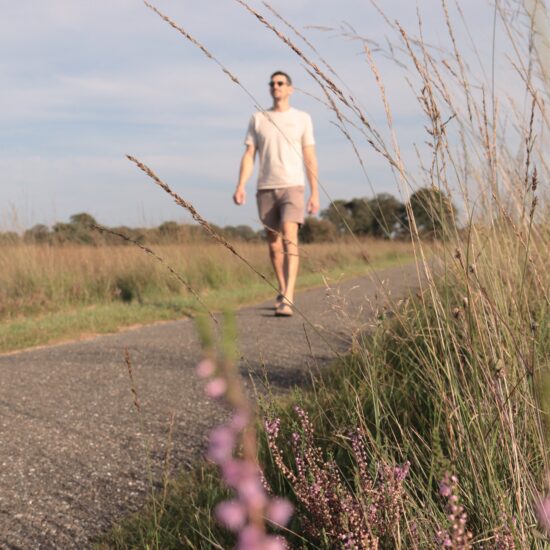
[72, 445]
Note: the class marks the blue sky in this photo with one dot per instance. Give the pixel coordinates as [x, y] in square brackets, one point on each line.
[86, 81]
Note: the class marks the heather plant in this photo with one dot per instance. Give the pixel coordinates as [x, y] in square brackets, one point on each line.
[457, 534]
[246, 514]
[335, 514]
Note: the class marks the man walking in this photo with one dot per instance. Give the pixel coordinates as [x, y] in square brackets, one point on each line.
[283, 139]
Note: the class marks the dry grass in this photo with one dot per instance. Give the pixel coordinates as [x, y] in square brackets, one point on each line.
[36, 279]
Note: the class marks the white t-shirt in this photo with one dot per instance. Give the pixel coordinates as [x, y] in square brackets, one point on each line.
[279, 138]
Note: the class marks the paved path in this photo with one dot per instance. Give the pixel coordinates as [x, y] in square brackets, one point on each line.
[71, 443]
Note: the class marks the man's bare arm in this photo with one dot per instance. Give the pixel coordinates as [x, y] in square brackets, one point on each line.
[310, 162]
[245, 171]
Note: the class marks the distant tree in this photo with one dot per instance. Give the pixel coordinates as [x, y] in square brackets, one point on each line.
[361, 216]
[338, 215]
[381, 216]
[433, 211]
[169, 228]
[166, 232]
[387, 215]
[63, 233]
[357, 214]
[9, 237]
[136, 234]
[243, 232]
[38, 233]
[314, 230]
[79, 230]
[82, 219]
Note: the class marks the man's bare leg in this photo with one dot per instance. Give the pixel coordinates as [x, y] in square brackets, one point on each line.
[292, 260]
[277, 256]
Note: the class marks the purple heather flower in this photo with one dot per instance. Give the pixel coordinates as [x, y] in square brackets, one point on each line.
[232, 514]
[250, 538]
[279, 511]
[274, 543]
[543, 513]
[222, 440]
[240, 421]
[243, 475]
[252, 491]
[206, 368]
[444, 489]
[235, 471]
[400, 472]
[216, 387]
[232, 470]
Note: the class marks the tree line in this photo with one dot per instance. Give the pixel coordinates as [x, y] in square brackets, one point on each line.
[82, 229]
[383, 217]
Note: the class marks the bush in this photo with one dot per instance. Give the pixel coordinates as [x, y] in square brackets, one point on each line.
[314, 230]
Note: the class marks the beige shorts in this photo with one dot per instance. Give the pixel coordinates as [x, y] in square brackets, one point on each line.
[284, 204]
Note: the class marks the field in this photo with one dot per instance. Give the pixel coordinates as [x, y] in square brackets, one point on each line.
[51, 293]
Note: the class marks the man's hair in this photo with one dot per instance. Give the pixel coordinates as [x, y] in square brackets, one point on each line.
[288, 79]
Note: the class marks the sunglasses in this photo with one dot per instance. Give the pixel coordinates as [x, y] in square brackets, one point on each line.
[277, 83]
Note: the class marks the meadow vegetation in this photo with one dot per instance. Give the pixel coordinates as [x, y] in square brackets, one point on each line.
[448, 399]
[79, 278]
[435, 431]
[53, 292]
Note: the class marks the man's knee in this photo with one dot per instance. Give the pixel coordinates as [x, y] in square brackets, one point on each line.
[290, 234]
[275, 246]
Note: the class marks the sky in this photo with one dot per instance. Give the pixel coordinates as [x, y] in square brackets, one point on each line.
[85, 82]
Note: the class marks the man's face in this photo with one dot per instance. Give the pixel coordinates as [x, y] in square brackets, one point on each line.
[279, 86]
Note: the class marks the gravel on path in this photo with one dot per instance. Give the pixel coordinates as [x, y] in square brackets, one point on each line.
[73, 449]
